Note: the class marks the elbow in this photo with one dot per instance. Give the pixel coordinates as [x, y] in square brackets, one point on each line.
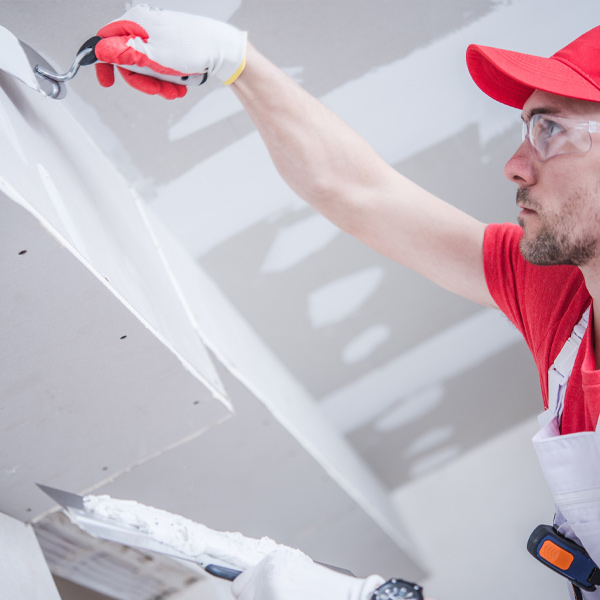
[337, 203]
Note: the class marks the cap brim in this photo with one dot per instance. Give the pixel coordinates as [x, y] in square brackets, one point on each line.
[511, 77]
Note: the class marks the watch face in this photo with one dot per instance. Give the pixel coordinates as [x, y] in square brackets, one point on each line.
[396, 589]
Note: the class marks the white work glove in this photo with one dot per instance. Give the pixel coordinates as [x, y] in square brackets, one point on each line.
[171, 43]
[288, 574]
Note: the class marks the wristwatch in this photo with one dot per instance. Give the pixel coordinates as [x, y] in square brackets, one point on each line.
[398, 588]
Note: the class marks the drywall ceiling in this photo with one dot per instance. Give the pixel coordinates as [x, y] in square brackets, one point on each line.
[84, 408]
[340, 317]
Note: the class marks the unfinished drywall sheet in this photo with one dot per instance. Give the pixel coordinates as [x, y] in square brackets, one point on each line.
[54, 170]
[24, 573]
[250, 474]
[53, 176]
[102, 366]
[87, 390]
[255, 365]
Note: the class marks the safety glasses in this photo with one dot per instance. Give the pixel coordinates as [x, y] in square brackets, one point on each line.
[551, 136]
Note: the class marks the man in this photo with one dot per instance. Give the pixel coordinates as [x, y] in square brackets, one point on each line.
[543, 274]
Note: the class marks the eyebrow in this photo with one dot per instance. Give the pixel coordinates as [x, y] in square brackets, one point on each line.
[541, 110]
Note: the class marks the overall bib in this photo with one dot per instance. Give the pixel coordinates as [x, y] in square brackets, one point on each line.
[571, 463]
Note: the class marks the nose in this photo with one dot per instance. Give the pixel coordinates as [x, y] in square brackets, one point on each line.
[520, 167]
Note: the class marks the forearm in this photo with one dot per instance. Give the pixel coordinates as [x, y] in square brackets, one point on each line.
[335, 170]
[320, 157]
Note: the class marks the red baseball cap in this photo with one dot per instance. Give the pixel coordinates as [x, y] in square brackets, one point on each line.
[511, 77]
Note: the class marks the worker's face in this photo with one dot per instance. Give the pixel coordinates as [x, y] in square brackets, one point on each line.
[560, 196]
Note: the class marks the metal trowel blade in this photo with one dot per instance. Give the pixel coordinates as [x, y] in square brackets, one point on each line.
[124, 534]
[65, 499]
[115, 531]
[19, 60]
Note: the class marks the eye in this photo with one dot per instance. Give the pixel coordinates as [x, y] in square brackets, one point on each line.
[553, 128]
[547, 127]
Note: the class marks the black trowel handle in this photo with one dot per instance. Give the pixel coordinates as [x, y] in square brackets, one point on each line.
[222, 572]
[231, 574]
[91, 57]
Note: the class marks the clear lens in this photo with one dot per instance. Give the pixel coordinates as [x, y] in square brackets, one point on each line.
[552, 136]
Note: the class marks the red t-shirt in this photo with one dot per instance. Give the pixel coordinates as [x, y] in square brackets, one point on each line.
[545, 303]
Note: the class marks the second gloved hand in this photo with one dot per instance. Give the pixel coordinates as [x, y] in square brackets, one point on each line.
[171, 43]
[288, 574]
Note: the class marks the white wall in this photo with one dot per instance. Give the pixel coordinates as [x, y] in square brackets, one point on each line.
[24, 574]
[472, 520]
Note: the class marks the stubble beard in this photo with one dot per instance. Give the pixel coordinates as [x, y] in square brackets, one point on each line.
[551, 246]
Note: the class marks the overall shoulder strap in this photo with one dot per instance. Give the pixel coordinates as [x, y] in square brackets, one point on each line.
[560, 371]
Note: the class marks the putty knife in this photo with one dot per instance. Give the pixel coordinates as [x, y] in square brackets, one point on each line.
[20, 60]
[86, 55]
[116, 531]
[24, 63]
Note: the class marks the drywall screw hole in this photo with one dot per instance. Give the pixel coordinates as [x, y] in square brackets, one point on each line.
[105, 468]
[123, 337]
[28, 510]
[196, 402]
[22, 252]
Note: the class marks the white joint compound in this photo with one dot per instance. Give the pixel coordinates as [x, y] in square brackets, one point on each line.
[181, 534]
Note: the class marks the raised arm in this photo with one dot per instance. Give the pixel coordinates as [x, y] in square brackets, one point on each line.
[322, 159]
[335, 170]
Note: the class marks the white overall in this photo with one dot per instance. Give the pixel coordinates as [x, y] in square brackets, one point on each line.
[571, 463]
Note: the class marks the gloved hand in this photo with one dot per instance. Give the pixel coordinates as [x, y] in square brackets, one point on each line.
[288, 574]
[171, 43]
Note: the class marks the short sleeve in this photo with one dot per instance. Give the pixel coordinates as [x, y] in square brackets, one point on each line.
[543, 302]
[504, 270]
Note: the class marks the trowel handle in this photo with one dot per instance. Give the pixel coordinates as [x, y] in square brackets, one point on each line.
[90, 58]
[222, 572]
[231, 574]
